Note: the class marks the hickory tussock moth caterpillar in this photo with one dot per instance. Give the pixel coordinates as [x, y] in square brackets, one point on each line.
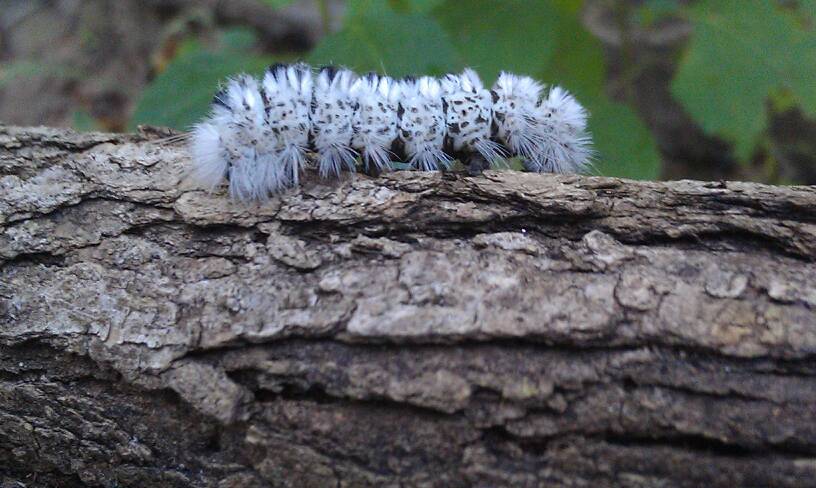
[261, 135]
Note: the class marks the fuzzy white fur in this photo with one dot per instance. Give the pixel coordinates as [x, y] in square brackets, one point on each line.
[469, 115]
[209, 154]
[246, 147]
[514, 112]
[376, 120]
[422, 127]
[332, 116]
[562, 123]
[259, 135]
[287, 100]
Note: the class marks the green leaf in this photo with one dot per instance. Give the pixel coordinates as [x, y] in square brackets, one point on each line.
[182, 93]
[377, 38]
[414, 6]
[26, 69]
[276, 4]
[742, 51]
[624, 145]
[84, 122]
[496, 36]
[804, 13]
[237, 39]
[652, 11]
[512, 35]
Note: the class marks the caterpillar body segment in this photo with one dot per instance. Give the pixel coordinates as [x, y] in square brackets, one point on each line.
[376, 121]
[422, 124]
[287, 95]
[333, 108]
[469, 117]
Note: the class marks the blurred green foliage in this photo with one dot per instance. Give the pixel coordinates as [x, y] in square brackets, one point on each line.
[375, 37]
[28, 68]
[182, 93]
[652, 11]
[278, 3]
[742, 52]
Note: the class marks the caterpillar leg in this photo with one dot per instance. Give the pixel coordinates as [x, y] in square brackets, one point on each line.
[430, 159]
[477, 164]
[372, 170]
[246, 177]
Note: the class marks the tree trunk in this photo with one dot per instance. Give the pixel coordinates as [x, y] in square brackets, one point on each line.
[416, 329]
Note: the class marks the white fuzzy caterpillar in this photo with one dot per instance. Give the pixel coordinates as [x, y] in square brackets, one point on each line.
[260, 136]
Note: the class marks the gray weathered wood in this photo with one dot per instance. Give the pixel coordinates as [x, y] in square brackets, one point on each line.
[410, 330]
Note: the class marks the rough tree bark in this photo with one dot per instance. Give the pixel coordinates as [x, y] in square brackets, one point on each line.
[409, 330]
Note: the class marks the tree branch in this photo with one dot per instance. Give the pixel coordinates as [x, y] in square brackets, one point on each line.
[416, 329]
